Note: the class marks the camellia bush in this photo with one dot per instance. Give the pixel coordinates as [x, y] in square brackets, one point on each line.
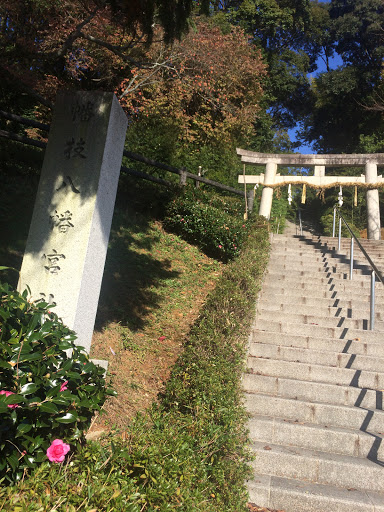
[49, 389]
[214, 224]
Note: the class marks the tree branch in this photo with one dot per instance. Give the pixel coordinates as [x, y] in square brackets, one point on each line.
[76, 33]
[146, 80]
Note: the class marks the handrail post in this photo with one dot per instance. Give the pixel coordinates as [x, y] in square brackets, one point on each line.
[301, 223]
[339, 244]
[351, 262]
[334, 223]
[372, 304]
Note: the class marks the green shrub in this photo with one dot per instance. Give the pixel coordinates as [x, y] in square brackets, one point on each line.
[48, 387]
[208, 223]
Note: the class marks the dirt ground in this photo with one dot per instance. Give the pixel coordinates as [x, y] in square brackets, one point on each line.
[139, 367]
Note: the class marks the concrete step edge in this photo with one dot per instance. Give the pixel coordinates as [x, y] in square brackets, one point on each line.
[345, 346]
[323, 392]
[313, 356]
[319, 413]
[302, 319]
[299, 496]
[316, 373]
[318, 331]
[323, 308]
[317, 467]
[332, 439]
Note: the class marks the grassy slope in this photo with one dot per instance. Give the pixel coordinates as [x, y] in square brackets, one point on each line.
[188, 452]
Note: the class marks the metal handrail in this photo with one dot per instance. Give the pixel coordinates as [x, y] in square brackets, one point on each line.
[375, 270]
[300, 222]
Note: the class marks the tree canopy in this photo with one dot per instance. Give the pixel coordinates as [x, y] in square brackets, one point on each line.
[245, 70]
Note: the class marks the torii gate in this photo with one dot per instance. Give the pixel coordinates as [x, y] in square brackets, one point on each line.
[370, 180]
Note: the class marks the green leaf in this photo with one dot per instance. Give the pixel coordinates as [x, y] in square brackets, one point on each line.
[69, 417]
[29, 388]
[73, 375]
[66, 365]
[49, 407]
[13, 460]
[3, 407]
[9, 268]
[11, 399]
[60, 400]
[64, 345]
[23, 428]
[46, 328]
[35, 356]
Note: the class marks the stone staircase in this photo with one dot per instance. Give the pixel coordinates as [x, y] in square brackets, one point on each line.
[315, 381]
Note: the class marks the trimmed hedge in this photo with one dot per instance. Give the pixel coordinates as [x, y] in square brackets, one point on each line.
[215, 225]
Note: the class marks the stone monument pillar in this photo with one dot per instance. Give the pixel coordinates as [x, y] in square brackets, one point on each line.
[68, 238]
[267, 193]
[373, 206]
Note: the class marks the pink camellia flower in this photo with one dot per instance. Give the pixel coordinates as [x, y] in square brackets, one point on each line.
[7, 393]
[64, 386]
[57, 451]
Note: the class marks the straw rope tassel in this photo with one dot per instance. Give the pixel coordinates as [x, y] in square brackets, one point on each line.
[355, 197]
[304, 194]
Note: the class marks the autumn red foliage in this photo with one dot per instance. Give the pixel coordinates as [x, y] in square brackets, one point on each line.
[209, 82]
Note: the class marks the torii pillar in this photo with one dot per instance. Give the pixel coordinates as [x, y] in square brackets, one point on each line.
[373, 205]
[267, 193]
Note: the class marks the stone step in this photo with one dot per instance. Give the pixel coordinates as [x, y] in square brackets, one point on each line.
[318, 270]
[275, 300]
[324, 280]
[315, 380]
[300, 496]
[317, 467]
[344, 441]
[317, 320]
[324, 246]
[324, 414]
[320, 306]
[327, 278]
[330, 258]
[348, 346]
[316, 373]
[327, 240]
[310, 356]
[318, 331]
[367, 244]
[332, 291]
[318, 266]
[321, 262]
[313, 391]
[313, 252]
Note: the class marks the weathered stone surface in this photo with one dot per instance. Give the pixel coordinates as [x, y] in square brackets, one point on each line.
[68, 238]
[310, 160]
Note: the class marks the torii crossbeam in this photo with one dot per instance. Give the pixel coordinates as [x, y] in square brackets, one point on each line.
[370, 180]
